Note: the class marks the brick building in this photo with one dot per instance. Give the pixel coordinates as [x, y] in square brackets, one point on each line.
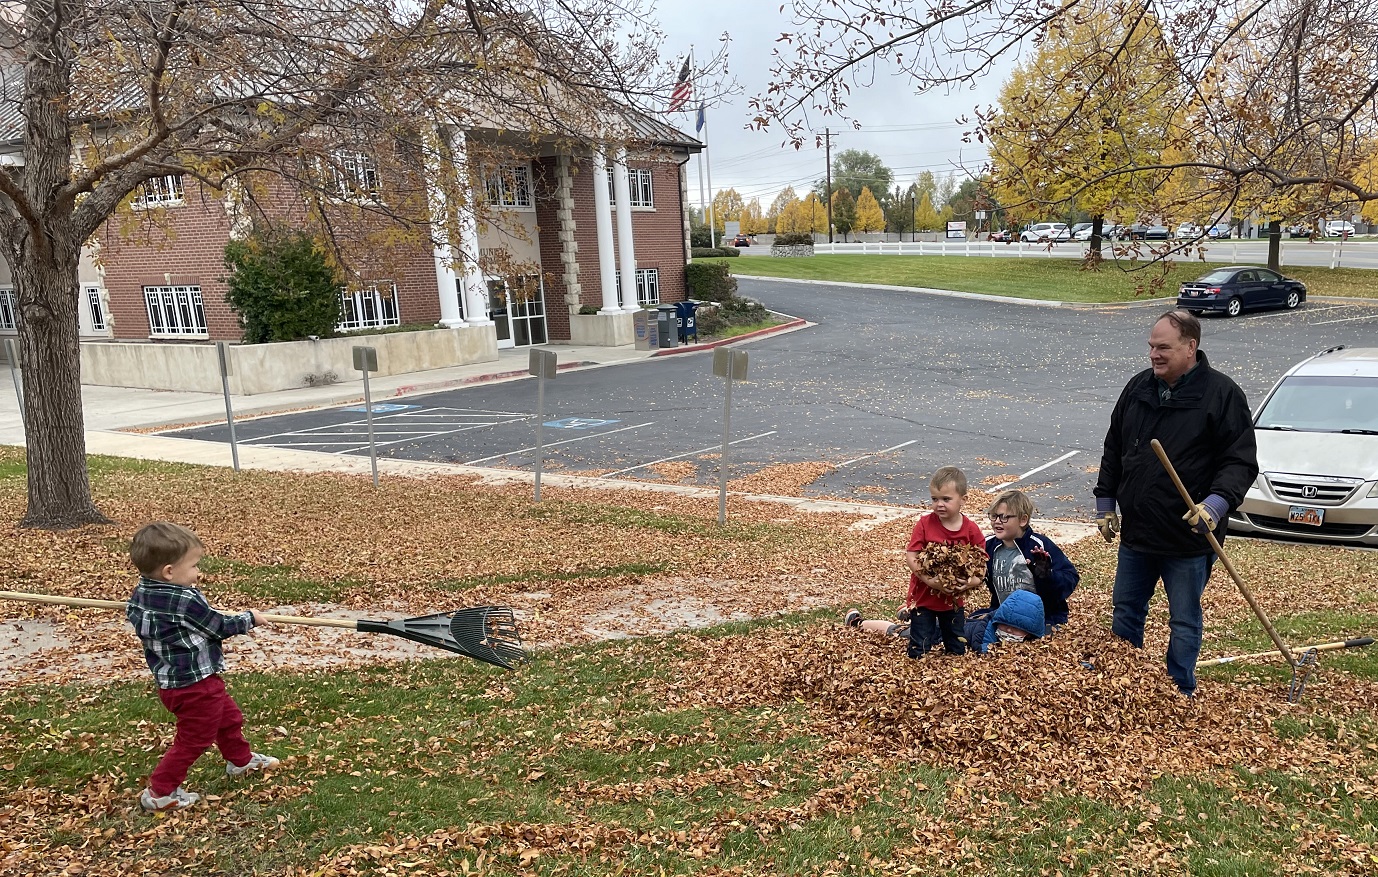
[603, 229]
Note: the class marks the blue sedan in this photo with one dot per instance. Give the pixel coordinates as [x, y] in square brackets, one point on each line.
[1241, 287]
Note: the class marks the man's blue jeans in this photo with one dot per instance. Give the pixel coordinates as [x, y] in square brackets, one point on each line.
[1184, 581]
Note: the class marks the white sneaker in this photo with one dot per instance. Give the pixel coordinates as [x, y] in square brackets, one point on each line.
[257, 761]
[179, 799]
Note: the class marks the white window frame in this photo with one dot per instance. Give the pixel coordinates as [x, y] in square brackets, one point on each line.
[175, 312]
[639, 190]
[647, 286]
[509, 187]
[9, 311]
[354, 175]
[95, 307]
[164, 191]
[369, 307]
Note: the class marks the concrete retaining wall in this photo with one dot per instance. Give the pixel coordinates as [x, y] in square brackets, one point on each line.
[264, 368]
[601, 330]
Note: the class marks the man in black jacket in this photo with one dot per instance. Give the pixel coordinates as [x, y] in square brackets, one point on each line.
[1203, 422]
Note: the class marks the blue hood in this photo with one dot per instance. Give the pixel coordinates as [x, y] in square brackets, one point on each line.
[1022, 609]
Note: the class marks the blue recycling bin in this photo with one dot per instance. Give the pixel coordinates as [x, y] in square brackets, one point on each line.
[688, 327]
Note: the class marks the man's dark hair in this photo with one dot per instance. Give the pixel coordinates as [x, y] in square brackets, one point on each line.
[1187, 325]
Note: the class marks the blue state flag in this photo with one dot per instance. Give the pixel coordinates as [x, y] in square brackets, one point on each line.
[699, 120]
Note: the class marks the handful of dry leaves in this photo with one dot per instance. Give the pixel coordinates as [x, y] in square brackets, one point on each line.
[950, 564]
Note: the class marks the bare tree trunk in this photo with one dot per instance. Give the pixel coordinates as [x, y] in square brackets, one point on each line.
[1275, 244]
[1097, 230]
[49, 353]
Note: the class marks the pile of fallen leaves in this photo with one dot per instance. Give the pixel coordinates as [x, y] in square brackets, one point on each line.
[951, 565]
[1081, 710]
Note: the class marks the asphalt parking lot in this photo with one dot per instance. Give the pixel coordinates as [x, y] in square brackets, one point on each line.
[886, 387]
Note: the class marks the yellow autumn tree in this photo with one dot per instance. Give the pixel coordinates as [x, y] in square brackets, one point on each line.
[727, 204]
[752, 220]
[1098, 99]
[869, 216]
[777, 206]
[925, 217]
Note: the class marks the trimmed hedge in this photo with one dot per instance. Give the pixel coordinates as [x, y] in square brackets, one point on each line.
[709, 252]
[709, 281]
[793, 239]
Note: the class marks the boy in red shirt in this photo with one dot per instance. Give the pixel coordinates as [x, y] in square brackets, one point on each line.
[934, 615]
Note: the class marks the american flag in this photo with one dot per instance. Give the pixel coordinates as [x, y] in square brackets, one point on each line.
[683, 87]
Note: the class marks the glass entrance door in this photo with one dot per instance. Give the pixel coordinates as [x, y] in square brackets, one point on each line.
[517, 309]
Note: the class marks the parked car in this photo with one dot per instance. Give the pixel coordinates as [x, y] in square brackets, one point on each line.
[1218, 231]
[1301, 230]
[1188, 230]
[1157, 233]
[1080, 232]
[1112, 232]
[741, 240]
[1134, 232]
[1042, 232]
[1317, 433]
[1338, 229]
[1003, 236]
[1239, 288]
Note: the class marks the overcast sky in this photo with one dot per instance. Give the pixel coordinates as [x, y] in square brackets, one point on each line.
[910, 133]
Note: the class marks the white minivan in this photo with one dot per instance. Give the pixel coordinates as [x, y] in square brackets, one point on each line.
[1042, 232]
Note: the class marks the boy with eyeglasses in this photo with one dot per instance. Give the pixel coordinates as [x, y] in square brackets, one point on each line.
[1022, 560]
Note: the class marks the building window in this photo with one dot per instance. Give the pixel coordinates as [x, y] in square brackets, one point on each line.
[175, 312]
[355, 176]
[159, 192]
[369, 307]
[9, 310]
[638, 185]
[93, 305]
[647, 286]
[509, 186]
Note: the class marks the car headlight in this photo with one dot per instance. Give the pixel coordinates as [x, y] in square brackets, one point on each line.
[1373, 492]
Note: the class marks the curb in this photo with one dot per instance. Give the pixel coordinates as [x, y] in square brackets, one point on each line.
[794, 323]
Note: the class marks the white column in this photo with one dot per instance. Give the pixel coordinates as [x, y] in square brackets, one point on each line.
[626, 251]
[475, 290]
[447, 286]
[607, 257]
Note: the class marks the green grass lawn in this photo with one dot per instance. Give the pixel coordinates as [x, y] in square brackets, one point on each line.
[1033, 277]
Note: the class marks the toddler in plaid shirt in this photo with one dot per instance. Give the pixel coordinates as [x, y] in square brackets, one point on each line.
[181, 635]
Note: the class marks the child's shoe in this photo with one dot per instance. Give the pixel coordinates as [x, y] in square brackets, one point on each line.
[257, 761]
[178, 799]
[853, 618]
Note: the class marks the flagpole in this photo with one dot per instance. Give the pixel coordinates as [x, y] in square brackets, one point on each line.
[703, 205]
[712, 226]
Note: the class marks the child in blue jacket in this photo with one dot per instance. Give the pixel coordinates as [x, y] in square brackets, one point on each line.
[1021, 559]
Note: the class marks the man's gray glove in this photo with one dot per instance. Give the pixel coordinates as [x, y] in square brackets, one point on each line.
[1106, 519]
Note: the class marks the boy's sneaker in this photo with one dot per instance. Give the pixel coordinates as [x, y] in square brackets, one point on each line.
[853, 618]
[257, 761]
[178, 799]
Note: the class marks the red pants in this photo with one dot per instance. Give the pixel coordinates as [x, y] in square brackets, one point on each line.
[206, 716]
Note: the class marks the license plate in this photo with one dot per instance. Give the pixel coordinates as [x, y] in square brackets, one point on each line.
[1300, 514]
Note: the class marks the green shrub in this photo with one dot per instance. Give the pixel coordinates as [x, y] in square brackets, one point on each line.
[699, 236]
[282, 288]
[733, 310]
[712, 252]
[793, 239]
[587, 310]
[709, 281]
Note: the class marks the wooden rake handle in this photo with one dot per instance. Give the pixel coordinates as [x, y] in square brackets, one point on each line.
[87, 603]
[1220, 553]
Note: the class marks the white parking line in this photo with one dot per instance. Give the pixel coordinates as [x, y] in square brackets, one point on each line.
[877, 453]
[553, 444]
[1347, 319]
[1040, 468]
[687, 454]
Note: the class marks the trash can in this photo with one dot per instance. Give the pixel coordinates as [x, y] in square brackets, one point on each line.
[667, 324]
[687, 326]
[644, 328]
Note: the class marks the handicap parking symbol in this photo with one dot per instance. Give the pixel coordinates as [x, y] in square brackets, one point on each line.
[383, 408]
[579, 423]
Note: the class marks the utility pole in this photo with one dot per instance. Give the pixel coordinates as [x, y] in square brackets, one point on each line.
[828, 157]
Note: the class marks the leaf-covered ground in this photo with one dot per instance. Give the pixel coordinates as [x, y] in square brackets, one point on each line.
[788, 745]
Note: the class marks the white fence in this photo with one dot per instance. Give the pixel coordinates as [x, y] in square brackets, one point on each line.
[1302, 252]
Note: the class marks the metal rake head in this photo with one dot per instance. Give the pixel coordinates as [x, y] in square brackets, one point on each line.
[485, 633]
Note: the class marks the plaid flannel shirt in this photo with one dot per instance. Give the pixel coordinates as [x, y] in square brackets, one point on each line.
[180, 631]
